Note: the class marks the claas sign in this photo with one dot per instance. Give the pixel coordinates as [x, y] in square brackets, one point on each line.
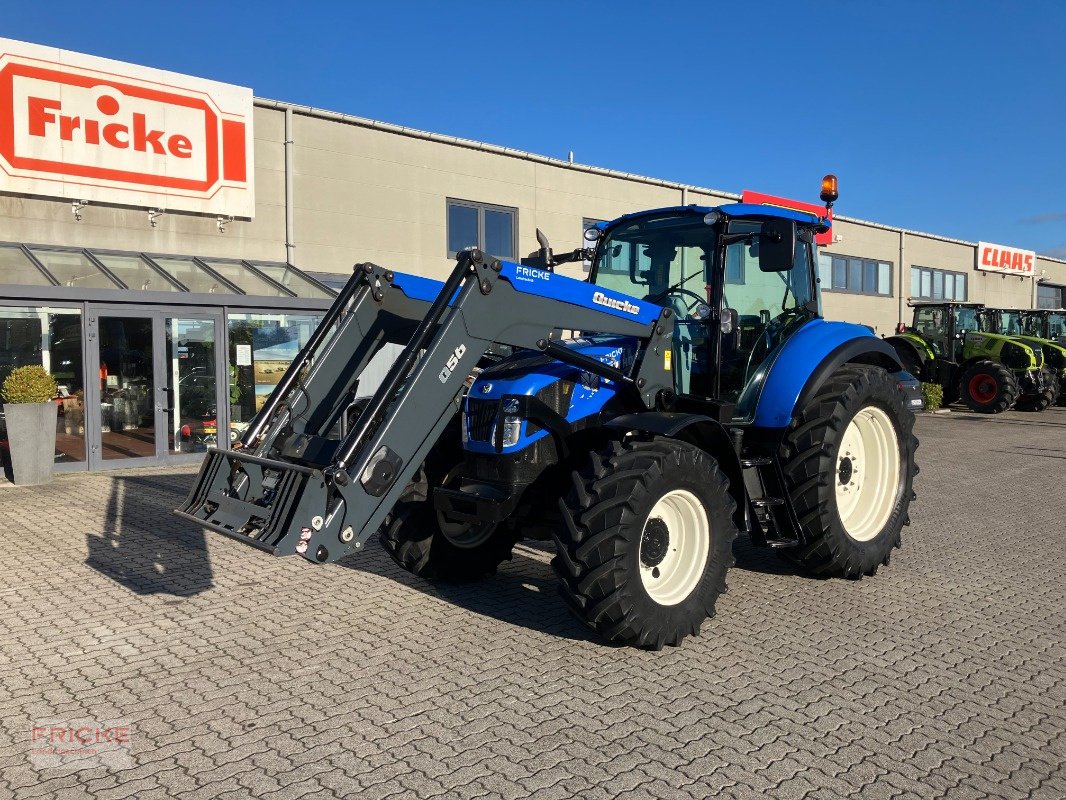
[760, 199]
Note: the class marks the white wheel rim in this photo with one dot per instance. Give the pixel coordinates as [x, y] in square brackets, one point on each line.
[671, 569]
[867, 473]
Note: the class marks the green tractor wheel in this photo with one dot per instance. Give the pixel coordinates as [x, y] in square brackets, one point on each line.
[1039, 400]
[988, 387]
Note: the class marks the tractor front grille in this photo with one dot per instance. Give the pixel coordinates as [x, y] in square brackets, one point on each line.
[480, 416]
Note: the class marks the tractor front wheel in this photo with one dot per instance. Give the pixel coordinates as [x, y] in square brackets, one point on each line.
[848, 460]
[1044, 395]
[988, 387]
[425, 542]
[647, 540]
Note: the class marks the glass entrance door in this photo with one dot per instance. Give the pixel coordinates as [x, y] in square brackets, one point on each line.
[125, 411]
[191, 385]
[154, 397]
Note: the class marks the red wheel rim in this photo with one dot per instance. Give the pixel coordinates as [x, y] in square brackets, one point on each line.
[983, 388]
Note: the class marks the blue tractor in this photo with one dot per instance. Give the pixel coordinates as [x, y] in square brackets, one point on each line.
[687, 391]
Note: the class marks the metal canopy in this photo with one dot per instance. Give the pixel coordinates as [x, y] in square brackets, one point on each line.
[65, 273]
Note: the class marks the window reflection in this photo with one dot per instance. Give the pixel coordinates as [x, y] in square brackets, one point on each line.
[50, 337]
[261, 347]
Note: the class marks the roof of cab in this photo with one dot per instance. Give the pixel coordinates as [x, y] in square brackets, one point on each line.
[732, 210]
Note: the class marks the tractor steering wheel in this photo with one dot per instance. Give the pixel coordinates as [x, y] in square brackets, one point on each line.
[682, 292]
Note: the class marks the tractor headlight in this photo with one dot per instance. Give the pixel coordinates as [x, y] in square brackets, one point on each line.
[512, 430]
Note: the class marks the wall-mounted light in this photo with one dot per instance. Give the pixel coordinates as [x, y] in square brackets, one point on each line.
[154, 214]
[222, 222]
[76, 207]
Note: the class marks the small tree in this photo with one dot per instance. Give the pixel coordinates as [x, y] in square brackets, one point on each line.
[29, 384]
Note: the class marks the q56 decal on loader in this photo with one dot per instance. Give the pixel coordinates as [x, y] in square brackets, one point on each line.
[702, 395]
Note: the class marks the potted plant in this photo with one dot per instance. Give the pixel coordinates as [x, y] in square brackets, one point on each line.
[30, 413]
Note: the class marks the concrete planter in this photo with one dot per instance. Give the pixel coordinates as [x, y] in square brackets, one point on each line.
[31, 435]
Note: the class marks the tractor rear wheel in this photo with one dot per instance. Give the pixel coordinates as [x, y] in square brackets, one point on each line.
[1046, 396]
[848, 460]
[646, 543]
[988, 387]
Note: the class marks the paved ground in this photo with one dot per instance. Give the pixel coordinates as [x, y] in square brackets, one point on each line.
[242, 675]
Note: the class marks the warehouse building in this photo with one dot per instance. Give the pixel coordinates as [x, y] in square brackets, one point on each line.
[168, 243]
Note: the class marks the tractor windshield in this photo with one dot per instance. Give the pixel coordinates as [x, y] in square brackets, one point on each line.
[663, 259]
[1010, 322]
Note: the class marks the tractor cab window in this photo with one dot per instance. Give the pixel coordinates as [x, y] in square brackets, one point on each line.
[662, 259]
[1056, 325]
[966, 320]
[769, 307]
[932, 325]
[1005, 322]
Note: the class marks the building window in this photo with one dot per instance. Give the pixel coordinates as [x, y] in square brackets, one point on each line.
[937, 284]
[838, 273]
[1048, 296]
[490, 228]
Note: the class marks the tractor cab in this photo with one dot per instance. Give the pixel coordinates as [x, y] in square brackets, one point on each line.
[1005, 322]
[944, 326]
[738, 278]
[1045, 323]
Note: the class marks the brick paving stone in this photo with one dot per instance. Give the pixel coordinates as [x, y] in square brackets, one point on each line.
[244, 675]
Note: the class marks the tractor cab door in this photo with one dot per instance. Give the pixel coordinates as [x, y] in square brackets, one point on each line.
[760, 310]
[966, 320]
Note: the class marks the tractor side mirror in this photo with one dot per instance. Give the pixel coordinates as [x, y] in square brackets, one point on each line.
[777, 245]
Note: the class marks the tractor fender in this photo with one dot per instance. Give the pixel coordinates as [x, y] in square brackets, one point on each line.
[875, 352]
[906, 346]
[705, 433]
[807, 360]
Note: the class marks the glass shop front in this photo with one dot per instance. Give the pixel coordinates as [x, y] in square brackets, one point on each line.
[157, 357]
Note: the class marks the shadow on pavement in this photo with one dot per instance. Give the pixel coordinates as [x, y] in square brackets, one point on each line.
[145, 549]
[522, 593]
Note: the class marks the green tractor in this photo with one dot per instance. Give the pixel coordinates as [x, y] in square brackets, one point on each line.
[1047, 328]
[949, 343]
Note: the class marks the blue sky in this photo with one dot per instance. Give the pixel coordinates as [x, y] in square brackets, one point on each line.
[947, 117]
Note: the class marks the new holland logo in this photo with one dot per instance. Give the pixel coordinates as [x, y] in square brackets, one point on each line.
[599, 298]
[98, 130]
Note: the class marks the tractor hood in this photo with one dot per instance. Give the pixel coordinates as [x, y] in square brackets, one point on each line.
[569, 391]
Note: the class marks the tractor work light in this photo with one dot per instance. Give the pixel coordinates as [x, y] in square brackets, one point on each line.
[829, 193]
[592, 234]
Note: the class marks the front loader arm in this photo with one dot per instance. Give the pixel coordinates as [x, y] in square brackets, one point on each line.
[293, 489]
